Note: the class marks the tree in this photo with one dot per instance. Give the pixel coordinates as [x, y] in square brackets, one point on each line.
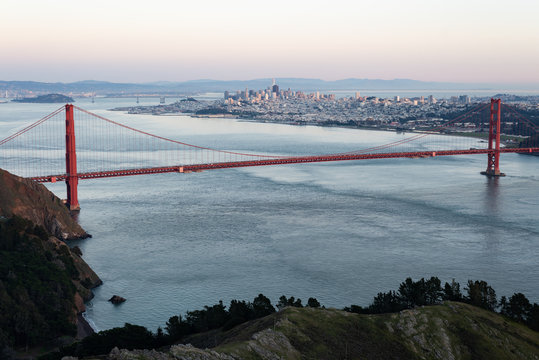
[262, 306]
[176, 328]
[211, 317]
[283, 302]
[503, 305]
[160, 338]
[517, 308]
[357, 309]
[452, 291]
[412, 293]
[481, 294]
[533, 317]
[386, 303]
[127, 337]
[312, 302]
[433, 291]
[291, 301]
[240, 309]
[238, 313]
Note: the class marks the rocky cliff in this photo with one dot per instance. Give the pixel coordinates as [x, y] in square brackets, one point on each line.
[33, 201]
[43, 283]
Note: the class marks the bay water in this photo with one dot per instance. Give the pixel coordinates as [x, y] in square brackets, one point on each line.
[340, 232]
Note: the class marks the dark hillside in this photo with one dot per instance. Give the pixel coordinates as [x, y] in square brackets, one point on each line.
[43, 283]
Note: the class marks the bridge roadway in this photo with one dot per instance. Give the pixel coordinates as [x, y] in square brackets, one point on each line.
[277, 161]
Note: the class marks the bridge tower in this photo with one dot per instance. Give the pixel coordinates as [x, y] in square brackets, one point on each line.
[493, 162]
[72, 179]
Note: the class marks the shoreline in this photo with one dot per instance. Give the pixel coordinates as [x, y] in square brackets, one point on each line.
[479, 136]
[84, 328]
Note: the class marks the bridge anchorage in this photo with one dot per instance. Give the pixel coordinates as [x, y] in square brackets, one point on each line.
[105, 148]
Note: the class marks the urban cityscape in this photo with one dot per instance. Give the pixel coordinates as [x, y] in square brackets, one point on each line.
[292, 107]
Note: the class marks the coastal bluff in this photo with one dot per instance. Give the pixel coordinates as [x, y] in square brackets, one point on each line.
[43, 282]
[34, 202]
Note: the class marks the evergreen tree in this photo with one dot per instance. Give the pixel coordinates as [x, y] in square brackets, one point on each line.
[481, 294]
[452, 291]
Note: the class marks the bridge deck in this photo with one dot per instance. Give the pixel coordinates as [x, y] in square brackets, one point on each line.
[277, 161]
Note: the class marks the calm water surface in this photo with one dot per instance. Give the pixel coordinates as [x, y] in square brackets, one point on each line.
[340, 232]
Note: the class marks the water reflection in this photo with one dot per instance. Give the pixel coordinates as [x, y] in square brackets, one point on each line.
[492, 194]
[491, 201]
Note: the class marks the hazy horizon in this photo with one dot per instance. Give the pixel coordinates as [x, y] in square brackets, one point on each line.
[465, 85]
[138, 42]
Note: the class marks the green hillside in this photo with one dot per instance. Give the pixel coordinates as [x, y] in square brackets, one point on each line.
[452, 330]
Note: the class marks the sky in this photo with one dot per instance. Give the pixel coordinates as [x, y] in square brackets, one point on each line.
[142, 41]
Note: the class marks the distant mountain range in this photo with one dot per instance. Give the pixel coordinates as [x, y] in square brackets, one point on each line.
[207, 85]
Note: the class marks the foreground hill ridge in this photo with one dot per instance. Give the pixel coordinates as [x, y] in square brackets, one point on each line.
[451, 330]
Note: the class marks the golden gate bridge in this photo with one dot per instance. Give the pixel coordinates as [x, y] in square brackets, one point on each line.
[90, 146]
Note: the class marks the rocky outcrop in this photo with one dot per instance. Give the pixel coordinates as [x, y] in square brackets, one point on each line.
[33, 201]
[86, 278]
[177, 352]
[116, 299]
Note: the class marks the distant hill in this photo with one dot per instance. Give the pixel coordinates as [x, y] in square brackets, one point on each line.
[208, 85]
[47, 99]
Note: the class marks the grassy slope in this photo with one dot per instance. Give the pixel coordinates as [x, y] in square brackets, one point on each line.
[449, 331]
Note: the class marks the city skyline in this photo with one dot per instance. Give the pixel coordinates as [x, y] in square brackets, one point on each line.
[459, 41]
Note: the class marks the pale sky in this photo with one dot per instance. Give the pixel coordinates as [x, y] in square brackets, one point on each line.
[141, 41]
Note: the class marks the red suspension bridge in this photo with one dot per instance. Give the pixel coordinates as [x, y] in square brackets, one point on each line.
[90, 146]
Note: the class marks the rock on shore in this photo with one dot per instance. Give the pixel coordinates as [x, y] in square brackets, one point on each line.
[116, 299]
